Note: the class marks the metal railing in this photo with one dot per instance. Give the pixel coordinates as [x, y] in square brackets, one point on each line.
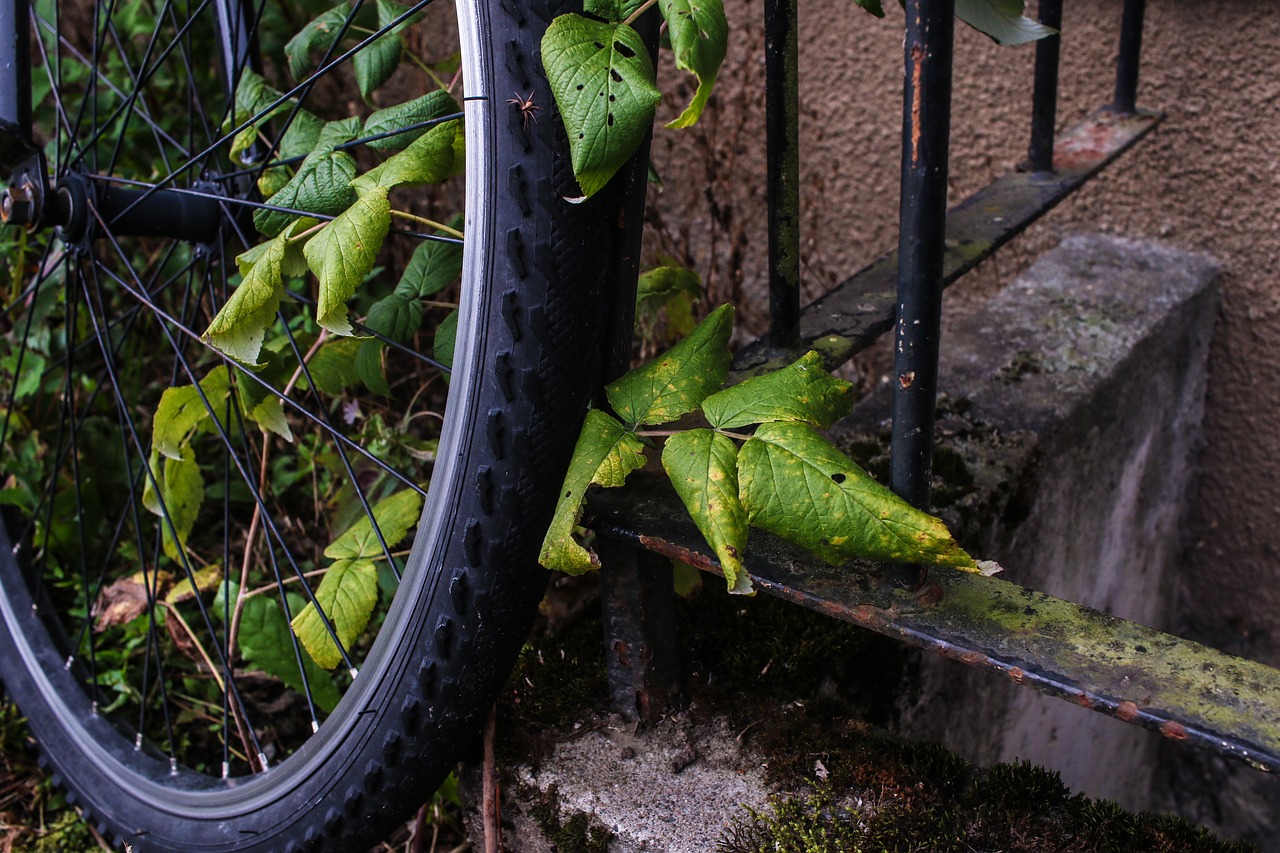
[1182, 689]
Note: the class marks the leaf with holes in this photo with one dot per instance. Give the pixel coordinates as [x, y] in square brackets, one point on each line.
[347, 595]
[703, 467]
[699, 38]
[605, 453]
[319, 186]
[396, 515]
[433, 105]
[342, 254]
[182, 410]
[795, 484]
[803, 391]
[1002, 20]
[238, 329]
[175, 495]
[317, 36]
[676, 382]
[604, 84]
[428, 160]
[266, 645]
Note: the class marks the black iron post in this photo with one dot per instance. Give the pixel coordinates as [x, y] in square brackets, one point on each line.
[1130, 55]
[16, 146]
[926, 129]
[1044, 100]
[782, 129]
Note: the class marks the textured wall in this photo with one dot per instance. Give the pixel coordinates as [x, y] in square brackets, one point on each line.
[1209, 179]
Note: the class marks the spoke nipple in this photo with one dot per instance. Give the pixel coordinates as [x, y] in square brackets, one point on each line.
[262, 759]
[93, 708]
[354, 672]
[173, 766]
[69, 661]
[315, 726]
[137, 742]
[226, 770]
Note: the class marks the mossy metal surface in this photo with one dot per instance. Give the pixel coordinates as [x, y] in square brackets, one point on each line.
[862, 308]
[1184, 690]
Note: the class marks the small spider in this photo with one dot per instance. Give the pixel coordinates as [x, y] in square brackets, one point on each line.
[528, 109]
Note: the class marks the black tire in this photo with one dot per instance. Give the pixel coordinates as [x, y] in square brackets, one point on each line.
[528, 357]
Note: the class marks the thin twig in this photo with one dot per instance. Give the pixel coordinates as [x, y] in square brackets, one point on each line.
[491, 796]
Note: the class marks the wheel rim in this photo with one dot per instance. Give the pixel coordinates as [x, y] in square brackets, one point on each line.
[113, 298]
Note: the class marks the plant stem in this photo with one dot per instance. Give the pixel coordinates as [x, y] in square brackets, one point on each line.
[638, 12]
[422, 220]
[667, 433]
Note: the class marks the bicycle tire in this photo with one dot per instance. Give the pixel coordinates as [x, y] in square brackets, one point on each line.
[530, 331]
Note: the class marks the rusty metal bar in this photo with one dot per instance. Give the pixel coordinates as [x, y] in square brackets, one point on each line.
[922, 231]
[1044, 99]
[1129, 59]
[1181, 689]
[782, 133]
[862, 308]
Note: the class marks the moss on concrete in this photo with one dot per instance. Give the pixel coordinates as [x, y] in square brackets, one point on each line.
[574, 833]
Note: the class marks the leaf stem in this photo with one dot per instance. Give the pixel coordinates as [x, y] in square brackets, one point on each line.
[638, 12]
[422, 220]
[667, 433]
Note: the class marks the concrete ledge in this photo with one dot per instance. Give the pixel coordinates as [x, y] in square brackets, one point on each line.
[1068, 427]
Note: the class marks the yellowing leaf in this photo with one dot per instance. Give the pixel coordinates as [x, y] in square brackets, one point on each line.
[703, 467]
[699, 38]
[603, 83]
[395, 516]
[430, 106]
[242, 323]
[343, 252]
[266, 645]
[347, 595]
[605, 453]
[803, 391]
[206, 580]
[795, 484]
[676, 382]
[174, 492]
[428, 160]
[182, 411]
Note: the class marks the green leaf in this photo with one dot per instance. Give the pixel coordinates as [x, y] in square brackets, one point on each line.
[176, 494]
[613, 11]
[699, 37]
[293, 264]
[252, 96]
[242, 323]
[703, 467]
[266, 645]
[605, 453]
[435, 265]
[320, 186]
[338, 132]
[395, 316]
[395, 515]
[670, 289]
[1002, 20]
[182, 411]
[430, 106]
[797, 485]
[676, 382]
[342, 254]
[604, 85]
[872, 6]
[369, 366]
[803, 391]
[375, 64]
[332, 368]
[428, 160]
[318, 36]
[347, 595]
[446, 338]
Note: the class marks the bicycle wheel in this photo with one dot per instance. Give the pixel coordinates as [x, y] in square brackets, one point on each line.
[172, 725]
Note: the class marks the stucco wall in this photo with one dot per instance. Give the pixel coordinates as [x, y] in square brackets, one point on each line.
[1209, 179]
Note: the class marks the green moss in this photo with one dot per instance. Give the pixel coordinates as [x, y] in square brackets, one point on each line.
[577, 834]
